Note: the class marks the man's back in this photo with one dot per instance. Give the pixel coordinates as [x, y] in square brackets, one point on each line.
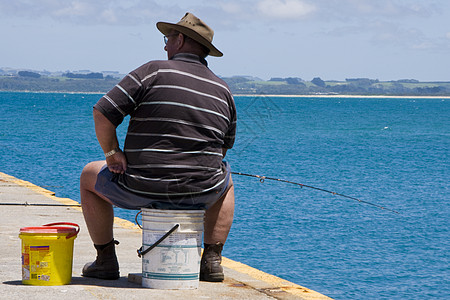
[182, 115]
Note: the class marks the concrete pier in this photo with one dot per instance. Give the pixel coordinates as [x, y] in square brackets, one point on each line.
[241, 281]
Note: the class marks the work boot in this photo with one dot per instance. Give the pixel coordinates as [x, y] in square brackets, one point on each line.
[106, 265]
[210, 268]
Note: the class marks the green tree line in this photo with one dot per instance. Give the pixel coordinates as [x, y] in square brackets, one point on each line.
[95, 82]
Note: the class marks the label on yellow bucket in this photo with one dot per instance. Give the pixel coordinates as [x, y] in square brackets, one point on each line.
[36, 261]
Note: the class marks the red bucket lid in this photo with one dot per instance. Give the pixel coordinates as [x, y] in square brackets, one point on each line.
[52, 228]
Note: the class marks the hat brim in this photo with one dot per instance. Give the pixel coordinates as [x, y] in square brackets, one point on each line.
[166, 28]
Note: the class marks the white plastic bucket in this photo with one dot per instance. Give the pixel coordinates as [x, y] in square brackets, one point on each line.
[175, 262]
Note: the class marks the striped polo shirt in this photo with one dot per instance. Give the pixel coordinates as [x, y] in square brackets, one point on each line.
[181, 116]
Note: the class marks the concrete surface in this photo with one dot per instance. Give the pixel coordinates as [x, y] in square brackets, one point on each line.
[241, 281]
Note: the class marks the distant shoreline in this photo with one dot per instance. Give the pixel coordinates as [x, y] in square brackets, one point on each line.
[343, 96]
[246, 86]
[54, 92]
[260, 95]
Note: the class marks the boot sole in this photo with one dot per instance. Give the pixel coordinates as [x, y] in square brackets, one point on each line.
[213, 277]
[103, 275]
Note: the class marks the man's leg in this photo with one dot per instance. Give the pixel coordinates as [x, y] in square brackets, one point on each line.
[219, 217]
[99, 217]
[97, 210]
[218, 220]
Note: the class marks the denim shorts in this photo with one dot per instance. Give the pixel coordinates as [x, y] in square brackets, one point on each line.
[107, 185]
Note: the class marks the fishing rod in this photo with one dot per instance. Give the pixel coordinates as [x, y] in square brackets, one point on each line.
[38, 204]
[263, 178]
[33, 185]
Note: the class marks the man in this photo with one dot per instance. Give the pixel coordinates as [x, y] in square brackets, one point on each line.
[182, 122]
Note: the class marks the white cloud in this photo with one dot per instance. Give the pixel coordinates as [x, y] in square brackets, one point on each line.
[86, 11]
[287, 9]
[366, 10]
[231, 7]
[386, 8]
[109, 16]
[132, 12]
[75, 8]
[390, 34]
[448, 35]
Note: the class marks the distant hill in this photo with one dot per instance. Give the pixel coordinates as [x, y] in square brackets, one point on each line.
[351, 86]
[101, 82]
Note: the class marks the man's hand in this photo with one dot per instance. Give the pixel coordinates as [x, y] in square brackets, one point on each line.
[117, 163]
[107, 137]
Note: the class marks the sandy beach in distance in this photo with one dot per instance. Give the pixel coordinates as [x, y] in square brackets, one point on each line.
[343, 96]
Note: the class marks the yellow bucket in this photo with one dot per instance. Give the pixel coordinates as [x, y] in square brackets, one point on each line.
[47, 253]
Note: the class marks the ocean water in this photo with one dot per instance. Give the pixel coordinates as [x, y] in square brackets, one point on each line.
[392, 152]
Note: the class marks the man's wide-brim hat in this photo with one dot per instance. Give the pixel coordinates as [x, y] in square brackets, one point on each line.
[194, 28]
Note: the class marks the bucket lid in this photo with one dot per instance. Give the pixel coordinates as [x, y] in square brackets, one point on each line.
[53, 228]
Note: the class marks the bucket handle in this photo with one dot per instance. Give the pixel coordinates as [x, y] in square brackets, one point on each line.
[142, 253]
[68, 224]
[136, 219]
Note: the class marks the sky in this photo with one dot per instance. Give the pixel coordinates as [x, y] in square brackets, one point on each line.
[330, 39]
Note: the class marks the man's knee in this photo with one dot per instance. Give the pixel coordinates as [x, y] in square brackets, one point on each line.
[89, 174]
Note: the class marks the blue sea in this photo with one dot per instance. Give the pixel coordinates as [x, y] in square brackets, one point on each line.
[388, 151]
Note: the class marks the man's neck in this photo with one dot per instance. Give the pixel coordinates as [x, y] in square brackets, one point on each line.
[190, 57]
